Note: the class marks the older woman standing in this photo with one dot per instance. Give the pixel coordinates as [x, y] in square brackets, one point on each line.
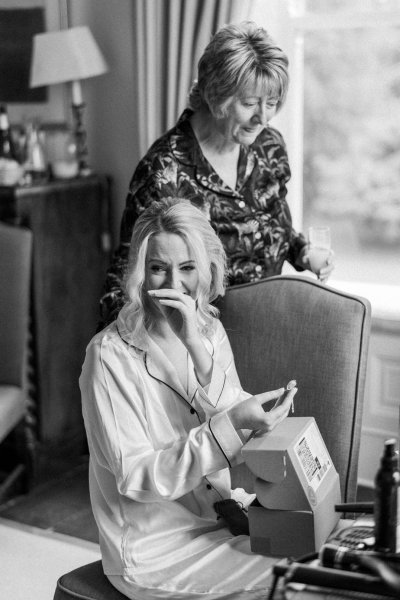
[225, 158]
[166, 416]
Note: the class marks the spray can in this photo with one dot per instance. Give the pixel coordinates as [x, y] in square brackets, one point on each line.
[385, 505]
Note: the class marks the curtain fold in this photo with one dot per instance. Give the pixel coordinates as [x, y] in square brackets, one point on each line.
[170, 36]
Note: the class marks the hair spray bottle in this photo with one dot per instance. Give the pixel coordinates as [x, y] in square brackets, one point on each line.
[385, 505]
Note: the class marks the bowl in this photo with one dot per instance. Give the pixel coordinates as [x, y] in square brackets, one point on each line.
[11, 172]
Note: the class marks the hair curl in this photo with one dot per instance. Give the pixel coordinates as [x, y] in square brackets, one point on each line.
[239, 58]
[176, 216]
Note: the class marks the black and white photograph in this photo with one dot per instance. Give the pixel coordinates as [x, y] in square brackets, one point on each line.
[200, 299]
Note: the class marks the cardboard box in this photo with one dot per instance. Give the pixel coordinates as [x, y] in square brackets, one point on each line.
[297, 487]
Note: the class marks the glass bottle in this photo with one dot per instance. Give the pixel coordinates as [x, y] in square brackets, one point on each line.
[35, 163]
[385, 505]
[7, 147]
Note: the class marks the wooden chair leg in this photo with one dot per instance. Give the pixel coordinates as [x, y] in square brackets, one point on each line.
[28, 453]
[19, 466]
[10, 483]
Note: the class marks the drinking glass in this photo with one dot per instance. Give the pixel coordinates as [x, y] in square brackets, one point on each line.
[319, 240]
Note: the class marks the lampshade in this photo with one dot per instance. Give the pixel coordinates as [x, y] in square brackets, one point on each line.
[66, 55]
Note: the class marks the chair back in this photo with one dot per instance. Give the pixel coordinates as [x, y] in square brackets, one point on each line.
[293, 327]
[15, 273]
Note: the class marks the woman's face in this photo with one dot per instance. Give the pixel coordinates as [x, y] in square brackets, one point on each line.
[170, 264]
[246, 116]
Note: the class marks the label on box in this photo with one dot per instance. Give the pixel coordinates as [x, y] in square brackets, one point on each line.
[313, 456]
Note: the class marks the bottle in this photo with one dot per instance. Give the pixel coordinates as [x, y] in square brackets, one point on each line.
[7, 147]
[385, 504]
[35, 164]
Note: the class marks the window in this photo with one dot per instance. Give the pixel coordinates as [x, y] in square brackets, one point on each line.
[351, 124]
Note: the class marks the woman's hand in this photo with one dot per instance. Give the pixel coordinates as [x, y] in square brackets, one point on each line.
[180, 311]
[325, 271]
[250, 413]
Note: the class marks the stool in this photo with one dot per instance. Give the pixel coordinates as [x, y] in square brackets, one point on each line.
[86, 583]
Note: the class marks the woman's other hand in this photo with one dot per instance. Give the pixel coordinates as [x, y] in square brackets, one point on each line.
[250, 413]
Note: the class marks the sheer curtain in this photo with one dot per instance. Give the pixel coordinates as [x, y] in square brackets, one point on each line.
[170, 36]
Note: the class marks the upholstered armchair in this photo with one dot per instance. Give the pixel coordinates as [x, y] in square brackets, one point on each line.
[293, 327]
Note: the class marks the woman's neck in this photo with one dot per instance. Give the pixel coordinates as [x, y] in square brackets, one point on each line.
[209, 136]
[221, 153]
[161, 330]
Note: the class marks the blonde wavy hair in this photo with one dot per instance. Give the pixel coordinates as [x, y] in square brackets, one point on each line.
[239, 58]
[176, 216]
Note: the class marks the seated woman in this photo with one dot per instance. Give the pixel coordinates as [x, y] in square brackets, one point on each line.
[166, 417]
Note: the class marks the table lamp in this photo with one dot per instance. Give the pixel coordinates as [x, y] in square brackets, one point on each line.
[68, 55]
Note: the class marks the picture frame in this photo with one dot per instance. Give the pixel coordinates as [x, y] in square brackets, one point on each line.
[52, 111]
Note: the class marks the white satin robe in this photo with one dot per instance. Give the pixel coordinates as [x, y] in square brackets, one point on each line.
[159, 459]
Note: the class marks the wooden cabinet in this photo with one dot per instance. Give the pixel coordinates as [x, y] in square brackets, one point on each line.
[71, 247]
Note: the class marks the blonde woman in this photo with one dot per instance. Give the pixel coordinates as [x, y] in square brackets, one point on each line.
[166, 417]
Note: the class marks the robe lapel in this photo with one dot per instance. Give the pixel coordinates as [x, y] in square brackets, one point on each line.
[192, 381]
[187, 151]
[157, 363]
[159, 367]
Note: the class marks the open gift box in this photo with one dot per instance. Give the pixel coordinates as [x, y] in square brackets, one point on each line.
[297, 487]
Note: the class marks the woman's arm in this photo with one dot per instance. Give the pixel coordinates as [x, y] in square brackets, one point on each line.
[148, 457]
[274, 151]
[119, 432]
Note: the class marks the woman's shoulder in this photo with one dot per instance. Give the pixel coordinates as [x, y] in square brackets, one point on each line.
[111, 343]
[270, 147]
[168, 143]
[161, 162]
[157, 155]
[269, 137]
[105, 339]
[216, 331]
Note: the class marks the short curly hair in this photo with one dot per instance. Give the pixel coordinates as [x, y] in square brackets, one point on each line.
[237, 59]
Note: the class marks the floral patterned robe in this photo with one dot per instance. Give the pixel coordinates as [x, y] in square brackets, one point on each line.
[253, 221]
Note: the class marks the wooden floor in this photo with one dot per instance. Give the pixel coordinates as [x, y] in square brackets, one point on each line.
[62, 504]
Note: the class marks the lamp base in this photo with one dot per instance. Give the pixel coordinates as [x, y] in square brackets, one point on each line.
[80, 137]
